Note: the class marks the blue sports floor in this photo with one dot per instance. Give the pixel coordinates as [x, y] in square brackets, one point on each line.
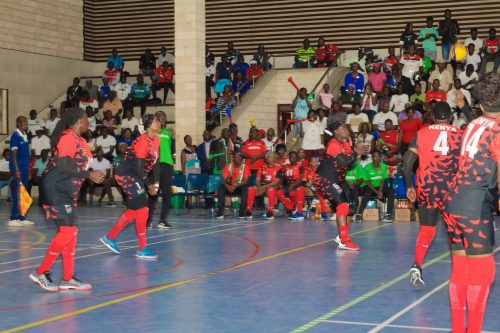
[230, 276]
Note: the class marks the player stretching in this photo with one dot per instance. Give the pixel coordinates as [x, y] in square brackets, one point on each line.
[468, 210]
[437, 148]
[137, 172]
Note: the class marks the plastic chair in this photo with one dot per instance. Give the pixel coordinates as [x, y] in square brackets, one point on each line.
[196, 185]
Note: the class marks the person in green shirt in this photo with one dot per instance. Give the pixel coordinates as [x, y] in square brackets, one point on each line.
[166, 161]
[428, 37]
[418, 98]
[354, 179]
[426, 60]
[305, 55]
[375, 175]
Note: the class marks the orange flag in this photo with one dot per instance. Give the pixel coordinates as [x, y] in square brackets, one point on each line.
[24, 200]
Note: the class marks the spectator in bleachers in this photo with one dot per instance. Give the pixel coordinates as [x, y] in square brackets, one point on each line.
[390, 136]
[203, 153]
[209, 56]
[491, 51]
[235, 139]
[375, 175]
[472, 57]
[312, 135]
[91, 89]
[51, 123]
[232, 53]
[106, 142]
[325, 97]
[337, 114]
[356, 78]
[384, 96]
[129, 121]
[457, 86]
[163, 79]
[38, 168]
[322, 119]
[448, 29]
[305, 55]
[367, 139]
[127, 137]
[427, 64]
[112, 74]
[93, 118]
[123, 89]
[39, 142]
[209, 78]
[74, 92]
[419, 96]
[468, 77]
[369, 102]
[411, 62]
[165, 56]
[226, 103]
[428, 37]
[270, 139]
[377, 78]
[116, 59]
[392, 59]
[254, 151]
[109, 122]
[370, 59]
[349, 96]
[435, 94]
[104, 91]
[5, 174]
[407, 130]
[473, 39]
[301, 106]
[99, 163]
[398, 101]
[383, 115]
[223, 69]
[443, 75]
[140, 93]
[234, 182]
[147, 63]
[240, 85]
[254, 71]
[34, 124]
[416, 113]
[262, 58]
[113, 104]
[241, 65]
[359, 59]
[408, 37]
[355, 118]
[324, 59]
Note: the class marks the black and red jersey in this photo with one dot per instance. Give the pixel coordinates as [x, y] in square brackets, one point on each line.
[329, 168]
[144, 147]
[479, 154]
[267, 174]
[293, 173]
[58, 188]
[438, 150]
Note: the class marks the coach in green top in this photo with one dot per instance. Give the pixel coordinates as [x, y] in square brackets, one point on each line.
[375, 175]
[166, 172]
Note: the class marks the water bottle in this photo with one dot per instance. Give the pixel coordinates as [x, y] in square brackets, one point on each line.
[308, 212]
[235, 212]
[212, 212]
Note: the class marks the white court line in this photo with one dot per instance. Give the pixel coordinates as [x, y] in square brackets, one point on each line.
[130, 247]
[412, 305]
[437, 329]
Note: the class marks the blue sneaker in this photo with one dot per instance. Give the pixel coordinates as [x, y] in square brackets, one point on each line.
[110, 244]
[297, 217]
[146, 253]
[324, 217]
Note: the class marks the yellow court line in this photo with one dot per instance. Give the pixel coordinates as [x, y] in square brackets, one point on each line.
[175, 284]
[40, 240]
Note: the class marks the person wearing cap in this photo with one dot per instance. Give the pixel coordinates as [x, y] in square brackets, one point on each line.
[262, 58]
[138, 175]
[377, 78]
[428, 36]
[234, 183]
[331, 179]
[326, 54]
[356, 78]
[437, 148]
[305, 55]
[435, 94]
[443, 75]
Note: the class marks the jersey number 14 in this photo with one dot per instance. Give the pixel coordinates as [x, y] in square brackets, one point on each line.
[471, 140]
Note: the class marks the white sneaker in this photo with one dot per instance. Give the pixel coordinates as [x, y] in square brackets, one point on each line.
[15, 223]
[27, 222]
[337, 239]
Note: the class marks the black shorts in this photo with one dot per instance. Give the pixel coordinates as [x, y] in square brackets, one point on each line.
[135, 191]
[468, 214]
[336, 193]
[63, 215]
[431, 196]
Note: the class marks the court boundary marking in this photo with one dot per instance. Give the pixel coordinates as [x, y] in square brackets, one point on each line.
[40, 240]
[175, 284]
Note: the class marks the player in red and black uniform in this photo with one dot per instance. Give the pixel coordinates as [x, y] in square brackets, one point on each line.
[309, 177]
[437, 148]
[59, 187]
[331, 179]
[136, 174]
[268, 181]
[469, 208]
[294, 180]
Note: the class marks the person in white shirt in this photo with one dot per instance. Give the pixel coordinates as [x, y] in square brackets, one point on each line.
[270, 139]
[399, 100]
[165, 56]
[107, 143]
[100, 164]
[325, 97]
[129, 121]
[34, 124]
[468, 77]
[51, 123]
[209, 77]
[478, 42]
[123, 89]
[472, 57]
[311, 134]
[5, 174]
[39, 143]
[457, 86]
[411, 62]
[381, 117]
[356, 118]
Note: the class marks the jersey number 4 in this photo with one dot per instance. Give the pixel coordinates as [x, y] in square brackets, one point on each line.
[441, 144]
[471, 140]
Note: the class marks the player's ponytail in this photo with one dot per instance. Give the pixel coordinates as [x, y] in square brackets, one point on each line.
[69, 118]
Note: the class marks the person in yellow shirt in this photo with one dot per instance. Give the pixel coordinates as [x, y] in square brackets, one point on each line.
[305, 55]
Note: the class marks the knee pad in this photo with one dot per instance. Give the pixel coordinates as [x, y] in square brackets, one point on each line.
[342, 209]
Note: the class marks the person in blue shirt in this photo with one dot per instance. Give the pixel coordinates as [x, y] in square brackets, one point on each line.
[19, 165]
[116, 59]
[104, 90]
[356, 78]
[240, 83]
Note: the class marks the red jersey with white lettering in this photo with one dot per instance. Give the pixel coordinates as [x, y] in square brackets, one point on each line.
[436, 95]
[293, 173]
[492, 45]
[113, 76]
[438, 150]
[254, 148]
[479, 154]
[267, 174]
